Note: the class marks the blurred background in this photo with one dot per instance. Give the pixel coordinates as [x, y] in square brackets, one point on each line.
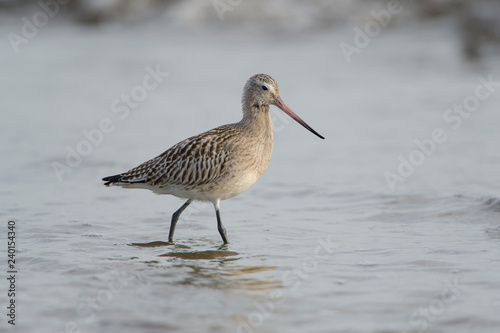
[93, 88]
[475, 22]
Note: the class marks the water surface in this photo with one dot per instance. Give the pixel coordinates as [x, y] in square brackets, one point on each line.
[320, 244]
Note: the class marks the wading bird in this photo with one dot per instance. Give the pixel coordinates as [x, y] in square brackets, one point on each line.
[218, 164]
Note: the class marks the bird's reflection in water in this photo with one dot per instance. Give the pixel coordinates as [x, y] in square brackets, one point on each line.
[217, 268]
[208, 254]
[159, 244]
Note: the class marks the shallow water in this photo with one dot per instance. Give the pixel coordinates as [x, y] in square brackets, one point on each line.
[320, 244]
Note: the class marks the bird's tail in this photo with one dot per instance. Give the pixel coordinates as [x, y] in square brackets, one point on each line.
[112, 179]
[118, 179]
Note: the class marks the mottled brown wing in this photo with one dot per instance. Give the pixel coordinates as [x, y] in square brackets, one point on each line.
[196, 161]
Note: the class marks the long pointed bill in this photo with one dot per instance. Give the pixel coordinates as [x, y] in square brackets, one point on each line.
[279, 103]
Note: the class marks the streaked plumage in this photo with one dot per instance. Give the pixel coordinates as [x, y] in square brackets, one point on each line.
[220, 163]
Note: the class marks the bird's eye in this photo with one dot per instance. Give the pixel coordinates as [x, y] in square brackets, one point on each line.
[263, 87]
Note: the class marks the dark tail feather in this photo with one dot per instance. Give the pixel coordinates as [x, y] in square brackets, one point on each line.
[112, 179]
[118, 179]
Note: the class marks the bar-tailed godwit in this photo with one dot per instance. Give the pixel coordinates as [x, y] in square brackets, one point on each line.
[218, 164]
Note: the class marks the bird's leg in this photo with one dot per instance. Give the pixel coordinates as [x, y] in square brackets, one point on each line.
[220, 227]
[175, 218]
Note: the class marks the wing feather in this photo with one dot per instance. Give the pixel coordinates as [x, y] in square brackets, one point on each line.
[196, 161]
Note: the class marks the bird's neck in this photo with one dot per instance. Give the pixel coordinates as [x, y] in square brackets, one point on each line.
[257, 119]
